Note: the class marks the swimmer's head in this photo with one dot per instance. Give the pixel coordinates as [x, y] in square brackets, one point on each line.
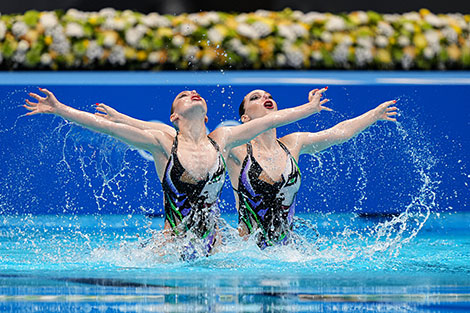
[188, 104]
[255, 104]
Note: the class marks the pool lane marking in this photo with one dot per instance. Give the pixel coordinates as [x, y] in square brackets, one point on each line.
[364, 298]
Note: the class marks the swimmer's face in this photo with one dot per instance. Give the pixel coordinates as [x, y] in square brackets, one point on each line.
[257, 104]
[188, 102]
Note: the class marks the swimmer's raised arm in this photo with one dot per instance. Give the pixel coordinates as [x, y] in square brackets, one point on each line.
[107, 112]
[130, 135]
[310, 143]
[230, 137]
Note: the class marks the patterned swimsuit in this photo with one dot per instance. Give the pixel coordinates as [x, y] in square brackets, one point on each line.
[265, 206]
[193, 206]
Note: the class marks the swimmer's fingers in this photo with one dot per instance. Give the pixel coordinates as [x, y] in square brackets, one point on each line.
[32, 104]
[311, 94]
[392, 109]
[33, 109]
[391, 119]
[323, 107]
[101, 115]
[101, 109]
[36, 96]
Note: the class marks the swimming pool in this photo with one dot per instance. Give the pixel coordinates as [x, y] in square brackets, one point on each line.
[384, 218]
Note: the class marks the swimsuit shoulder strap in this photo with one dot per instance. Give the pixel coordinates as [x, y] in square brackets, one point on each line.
[214, 143]
[283, 146]
[249, 149]
[174, 148]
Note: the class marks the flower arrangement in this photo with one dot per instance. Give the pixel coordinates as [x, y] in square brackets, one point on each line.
[111, 39]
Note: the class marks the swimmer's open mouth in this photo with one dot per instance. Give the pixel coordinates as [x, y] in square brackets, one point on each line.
[269, 105]
[196, 98]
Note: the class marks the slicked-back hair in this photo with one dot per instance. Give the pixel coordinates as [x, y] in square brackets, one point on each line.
[241, 109]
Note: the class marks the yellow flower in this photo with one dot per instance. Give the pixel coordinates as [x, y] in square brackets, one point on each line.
[384, 56]
[420, 41]
[141, 55]
[164, 32]
[424, 12]
[129, 53]
[454, 52]
[93, 20]
[48, 40]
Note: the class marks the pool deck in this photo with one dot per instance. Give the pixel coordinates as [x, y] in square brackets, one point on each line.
[237, 78]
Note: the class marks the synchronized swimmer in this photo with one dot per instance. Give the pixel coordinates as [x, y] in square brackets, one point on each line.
[264, 172]
[190, 164]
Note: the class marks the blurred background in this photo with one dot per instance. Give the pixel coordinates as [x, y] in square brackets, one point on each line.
[180, 6]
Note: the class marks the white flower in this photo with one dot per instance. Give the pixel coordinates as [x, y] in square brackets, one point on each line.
[19, 29]
[60, 42]
[299, 30]
[346, 40]
[94, 51]
[247, 31]
[155, 20]
[133, 36]
[335, 23]
[207, 59]
[262, 28]
[213, 17]
[391, 18]
[286, 32]
[281, 59]
[406, 61]
[412, 16]
[129, 17]
[107, 12]
[201, 19]
[297, 15]
[262, 13]
[46, 59]
[109, 40]
[432, 37]
[317, 56]
[214, 35]
[341, 53]
[409, 27]
[187, 29]
[313, 17]
[238, 47]
[78, 15]
[365, 41]
[19, 57]
[385, 29]
[178, 41]
[241, 18]
[450, 34]
[117, 56]
[48, 20]
[295, 58]
[155, 57]
[428, 53]
[363, 56]
[114, 24]
[190, 53]
[403, 41]
[326, 37]
[3, 30]
[23, 46]
[362, 17]
[434, 20]
[381, 41]
[74, 30]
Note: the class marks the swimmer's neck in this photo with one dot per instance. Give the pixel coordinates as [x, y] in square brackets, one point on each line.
[266, 141]
[192, 130]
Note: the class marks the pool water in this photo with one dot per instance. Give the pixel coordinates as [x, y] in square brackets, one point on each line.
[97, 263]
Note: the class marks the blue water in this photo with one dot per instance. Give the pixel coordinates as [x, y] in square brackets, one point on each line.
[382, 224]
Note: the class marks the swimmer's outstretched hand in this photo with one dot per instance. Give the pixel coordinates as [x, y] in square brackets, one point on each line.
[314, 97]
[48, 105]
[385, 112]
[107, 112]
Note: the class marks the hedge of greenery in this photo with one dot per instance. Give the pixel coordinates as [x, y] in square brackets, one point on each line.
[111, 39]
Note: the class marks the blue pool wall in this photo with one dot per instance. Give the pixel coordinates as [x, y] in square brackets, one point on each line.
[48, 166]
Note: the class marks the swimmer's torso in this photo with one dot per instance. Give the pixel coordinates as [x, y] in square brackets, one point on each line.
[192, 203]
[266, 204]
